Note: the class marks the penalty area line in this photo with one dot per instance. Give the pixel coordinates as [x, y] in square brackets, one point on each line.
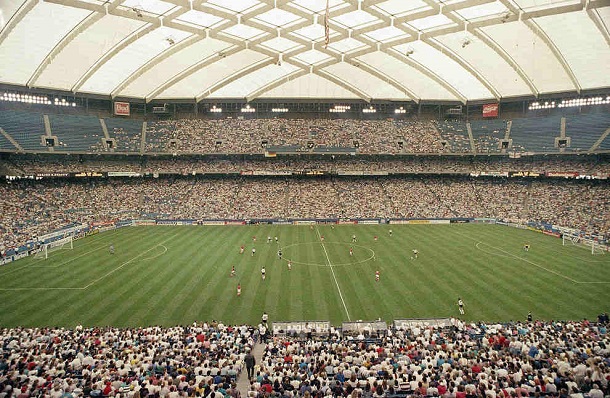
[125, 263]
[333, 273]
[522, 259]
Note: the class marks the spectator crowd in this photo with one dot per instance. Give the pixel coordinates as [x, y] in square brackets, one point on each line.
[476, 360]
[32, 208]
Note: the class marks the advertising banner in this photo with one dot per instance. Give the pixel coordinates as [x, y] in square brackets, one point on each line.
[490, 110]
[121, 109]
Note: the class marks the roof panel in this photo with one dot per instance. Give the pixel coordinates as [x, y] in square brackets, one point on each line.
[387, 34]
[244, 32]
[196, 83]
[532, 54]
[356, 19]
[577, 38]
[313, 32]
[484, 10]
[531, 5]
[447, 69]
[278, 18]
[124, 52]
[318, 6]
[280, 44]
[200, 19]
[127, 61]
[346, 45]
[173, 65]
[432, 22]
[156, 7]
[420, 84]
[85, 50]
[235, 6]
[488, 63]
[311, 57]
[7, 9]
[309, 86]
[400, 7]
[248, 84]
[366, 83]
[33, 38]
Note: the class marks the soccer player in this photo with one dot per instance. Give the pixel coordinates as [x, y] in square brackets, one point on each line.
[263, 273]
[253, 238]
[241, 249]
[289, 265]
[279, 253]
[354, 238]
[351, 251]
[277, 240]
[232, 271]
[111, 249]
[526, 247]
[377, 276]
[375, 238]
[461, 306]
[268, 239]
[238, 289]
[415, 254]
[322, 238]
[253, 251]
[265, 318]
[390, 231]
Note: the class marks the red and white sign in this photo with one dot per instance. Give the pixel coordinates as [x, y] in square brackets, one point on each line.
[490, 110]
[121, 108]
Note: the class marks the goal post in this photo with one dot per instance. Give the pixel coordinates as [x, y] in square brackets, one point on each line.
[586, 243]
[63, 243]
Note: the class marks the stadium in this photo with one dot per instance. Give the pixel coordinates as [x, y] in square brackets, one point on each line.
[304, 198]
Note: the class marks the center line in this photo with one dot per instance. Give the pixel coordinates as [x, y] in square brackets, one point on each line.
[334, 276]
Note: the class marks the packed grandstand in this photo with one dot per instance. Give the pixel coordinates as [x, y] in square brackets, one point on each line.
[282, 168]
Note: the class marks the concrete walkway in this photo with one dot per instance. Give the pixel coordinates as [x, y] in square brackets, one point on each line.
[243, 384]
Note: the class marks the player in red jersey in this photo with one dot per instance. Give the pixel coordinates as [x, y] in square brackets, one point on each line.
[238, 289]
[242, 249]
[289, 265]
[377, 276]
[351, 251]
[375, 238]
[232, 271]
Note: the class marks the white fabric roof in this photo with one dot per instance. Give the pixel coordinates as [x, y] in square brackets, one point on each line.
[420, 50]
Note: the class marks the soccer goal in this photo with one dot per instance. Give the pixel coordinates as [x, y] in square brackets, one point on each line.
[47, 248]
[586, 243]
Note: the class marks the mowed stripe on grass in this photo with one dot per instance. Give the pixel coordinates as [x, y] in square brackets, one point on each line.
[176, 275]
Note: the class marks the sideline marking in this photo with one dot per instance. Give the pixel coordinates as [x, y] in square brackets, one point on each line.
[508, 254]
[333, 272]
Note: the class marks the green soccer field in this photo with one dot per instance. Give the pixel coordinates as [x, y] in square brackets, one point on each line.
[168, 275]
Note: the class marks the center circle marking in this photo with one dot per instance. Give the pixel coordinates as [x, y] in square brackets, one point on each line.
[369, 250]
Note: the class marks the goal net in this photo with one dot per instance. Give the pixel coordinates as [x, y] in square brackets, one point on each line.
[48, 248]
[585, 243]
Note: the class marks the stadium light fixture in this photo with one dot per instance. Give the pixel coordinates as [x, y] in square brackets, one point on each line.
[570, 103]
[340, 108]
[279, 110]
[248, 109]
[370, 109]
[400, 110]
[214, 109]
